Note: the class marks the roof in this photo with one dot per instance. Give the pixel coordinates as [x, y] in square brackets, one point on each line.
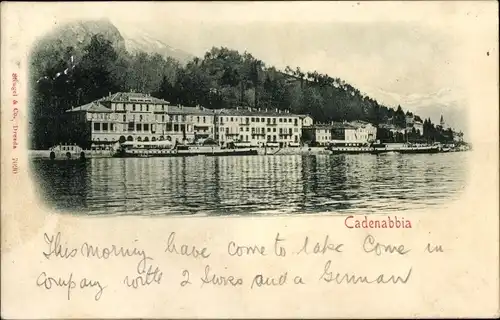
[252, 112]
[190, 110]
[92, 106]
[133, 97]
[360, 123]
[333, 125]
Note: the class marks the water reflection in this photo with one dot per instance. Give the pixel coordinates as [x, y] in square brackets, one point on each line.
[252, 184]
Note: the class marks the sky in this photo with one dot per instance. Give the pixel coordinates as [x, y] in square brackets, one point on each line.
[415, 54]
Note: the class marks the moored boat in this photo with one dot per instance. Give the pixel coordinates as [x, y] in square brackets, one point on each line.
[166, 149]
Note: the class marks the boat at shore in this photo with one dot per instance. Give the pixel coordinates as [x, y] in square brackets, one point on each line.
[166, 149]
[378, 148]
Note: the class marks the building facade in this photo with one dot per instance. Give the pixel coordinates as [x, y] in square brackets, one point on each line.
[342, 132]
[137, 117]
[258, 127]
[140, 117]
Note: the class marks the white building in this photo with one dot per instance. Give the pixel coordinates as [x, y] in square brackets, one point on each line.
[258, 127]
[338, 132]
[364, 131]
[136, 117]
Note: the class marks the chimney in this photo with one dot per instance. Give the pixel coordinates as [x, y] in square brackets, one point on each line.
[110, 93]
[237, 108]
[276, 109]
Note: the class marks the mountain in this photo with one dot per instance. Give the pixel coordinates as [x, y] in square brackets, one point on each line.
[77, 34]
[139, 41]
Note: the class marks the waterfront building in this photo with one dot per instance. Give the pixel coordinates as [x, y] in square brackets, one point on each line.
[419, 126]
[414, 122]
[134, 116]
[258, 127]
[341, 132]
[364, 131]
[307, 120]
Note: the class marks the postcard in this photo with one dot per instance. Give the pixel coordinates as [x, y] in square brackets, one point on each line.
[249, 160]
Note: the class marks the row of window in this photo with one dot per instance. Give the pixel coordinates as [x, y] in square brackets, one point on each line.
[104, 126]
[267, 138]
[183, 118]
[257, 119]
[142, 127]
[137, 107]
[140, 117]
[260, 130]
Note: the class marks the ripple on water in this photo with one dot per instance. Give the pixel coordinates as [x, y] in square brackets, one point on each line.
[263, 185]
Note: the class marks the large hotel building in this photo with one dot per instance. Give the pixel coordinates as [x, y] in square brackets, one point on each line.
[141, 117]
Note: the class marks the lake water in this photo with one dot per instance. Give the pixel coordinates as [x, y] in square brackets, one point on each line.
[253, 184]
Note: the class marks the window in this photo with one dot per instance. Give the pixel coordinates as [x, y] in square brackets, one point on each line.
[290, 131]
[198, 119]
[274, 120]
[274, 129]
[97, 126]
[163, 118]
[241, 128]
[133, 107]
[146, 127]
[262, 120]
[295, 122]
[268, 129]
[281, 120]
[231, 119]
[104, 127]
[204, 119]
[176, 127]
[263, 131]
[124, 118]
[138, 127]
[111, 127]
[140, 117]
[248, 129]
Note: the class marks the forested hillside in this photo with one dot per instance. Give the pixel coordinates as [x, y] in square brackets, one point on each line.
[64, 76]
